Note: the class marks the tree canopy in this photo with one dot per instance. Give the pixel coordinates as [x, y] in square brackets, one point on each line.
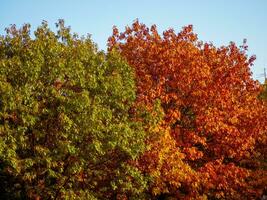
[64, 124]
[157, 116]
[215, 121]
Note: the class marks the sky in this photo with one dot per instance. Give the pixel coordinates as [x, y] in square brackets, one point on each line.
[216, 21]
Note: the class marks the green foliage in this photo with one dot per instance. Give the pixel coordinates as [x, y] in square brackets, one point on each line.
[65, 129]
[263, 94]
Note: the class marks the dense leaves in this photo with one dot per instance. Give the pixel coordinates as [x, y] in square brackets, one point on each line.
[65, 131]
[159, 116]
[215, 121]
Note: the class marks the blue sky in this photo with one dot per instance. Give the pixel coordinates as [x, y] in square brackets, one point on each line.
[217, 21]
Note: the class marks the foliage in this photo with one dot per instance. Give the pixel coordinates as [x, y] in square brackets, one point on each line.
[263, 94]
[215, 125]
[156, 117]
[65, 129]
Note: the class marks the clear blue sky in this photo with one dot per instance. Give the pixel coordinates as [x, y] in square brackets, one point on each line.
[218, 21]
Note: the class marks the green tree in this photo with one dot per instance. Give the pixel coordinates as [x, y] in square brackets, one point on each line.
[264, 91]
[65, 125]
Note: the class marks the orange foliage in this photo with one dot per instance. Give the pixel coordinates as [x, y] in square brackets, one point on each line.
[164, 162]
[214, 121]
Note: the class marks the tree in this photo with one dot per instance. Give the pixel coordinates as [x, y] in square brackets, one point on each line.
[156, 117]
[65, 127]
[212, 113]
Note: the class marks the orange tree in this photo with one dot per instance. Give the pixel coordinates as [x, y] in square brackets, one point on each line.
[214, 125]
